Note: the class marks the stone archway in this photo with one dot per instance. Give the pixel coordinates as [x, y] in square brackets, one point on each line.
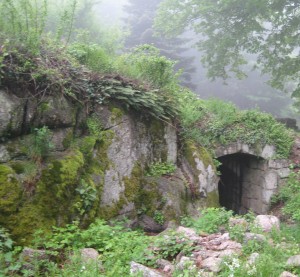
[247, 180]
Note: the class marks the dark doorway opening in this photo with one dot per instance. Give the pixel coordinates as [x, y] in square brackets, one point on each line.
[240, 174]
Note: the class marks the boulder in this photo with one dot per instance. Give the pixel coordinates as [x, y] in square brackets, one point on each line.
[149, 224]
[136, 268]
[238, 221]
[287, 274]
[252, 259]
[89, 254]
[166, 266]
[212, 264]
[267, 222]
[189, 233]
[293, 261]
[253, 236]
[184, 263]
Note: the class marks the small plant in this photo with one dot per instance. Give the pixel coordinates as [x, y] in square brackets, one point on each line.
[210, 220]
[289, 194]
[94, 126]
[41, 144]
[88, 196]
[168, 246]
[159, 217]
[159, 169]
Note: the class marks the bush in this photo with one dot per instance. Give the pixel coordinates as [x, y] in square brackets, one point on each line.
[210, 220]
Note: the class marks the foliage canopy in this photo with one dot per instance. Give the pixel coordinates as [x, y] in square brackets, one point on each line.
[227, 29]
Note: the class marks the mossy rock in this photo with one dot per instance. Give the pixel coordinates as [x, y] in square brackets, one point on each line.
[10, 190]
[192, 151]
[27, 221]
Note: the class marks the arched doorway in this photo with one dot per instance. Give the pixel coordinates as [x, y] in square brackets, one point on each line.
[241, 182]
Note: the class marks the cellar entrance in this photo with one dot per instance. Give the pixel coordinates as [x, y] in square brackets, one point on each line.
[241, 181]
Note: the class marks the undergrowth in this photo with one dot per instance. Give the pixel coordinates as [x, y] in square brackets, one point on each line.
[289, 195]
[213, 122]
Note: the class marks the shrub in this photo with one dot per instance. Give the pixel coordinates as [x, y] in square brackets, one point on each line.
[159, 169]
[210, 220]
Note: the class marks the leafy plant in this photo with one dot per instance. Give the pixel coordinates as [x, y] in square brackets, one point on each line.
[209, 220]
[88, 196]
[159, 169]
[94, 126]
[159, 217]
[167, 246]
[145, 63]
[289, 194]
[41, 144]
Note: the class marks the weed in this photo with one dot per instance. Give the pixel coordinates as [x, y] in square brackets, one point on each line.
[159, 217]
[209, 221]
[159, 169]
[41, 144]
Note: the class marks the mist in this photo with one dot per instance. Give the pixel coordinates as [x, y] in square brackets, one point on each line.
[251, 92]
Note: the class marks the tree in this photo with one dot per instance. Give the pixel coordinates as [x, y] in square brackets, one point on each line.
[227, 30]
[140, 18]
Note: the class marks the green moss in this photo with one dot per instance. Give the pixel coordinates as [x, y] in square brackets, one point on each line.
[133, 184]
[28, 220]
[149, 199]
[212, 199]
[192, 151]
[10, 190]
[67, 141]
[86, 145]
[43, 107]
[109, 212]
[157, 132]
[116, 114]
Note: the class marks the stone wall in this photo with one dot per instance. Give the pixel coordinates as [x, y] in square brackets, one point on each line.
[254, 179]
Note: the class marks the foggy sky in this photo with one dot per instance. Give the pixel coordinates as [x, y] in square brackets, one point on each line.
[251, 92]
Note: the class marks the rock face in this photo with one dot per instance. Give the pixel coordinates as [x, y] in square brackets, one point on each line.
[96, 167]
[91, 162]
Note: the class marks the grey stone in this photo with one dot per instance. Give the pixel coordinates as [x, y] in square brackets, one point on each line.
[237, 221]
[4, 154]
[136, 268]
[252, 236]
[11, 114]
[188, 232]
[293, 261]
[267, 222]
[212, 264]
[287, 274]
[165, 265]
[184, 263]
[149, 224]
[268, 152]
[252, 259]
[29, 254]
[89, 254]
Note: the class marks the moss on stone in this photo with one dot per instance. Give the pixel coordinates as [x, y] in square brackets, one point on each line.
[212, 199]
[109, 212]
[157, 133]
[10, 190]
[28, 220]
[67, 141]
[133, 184]
[43, 107]
[116, 114]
